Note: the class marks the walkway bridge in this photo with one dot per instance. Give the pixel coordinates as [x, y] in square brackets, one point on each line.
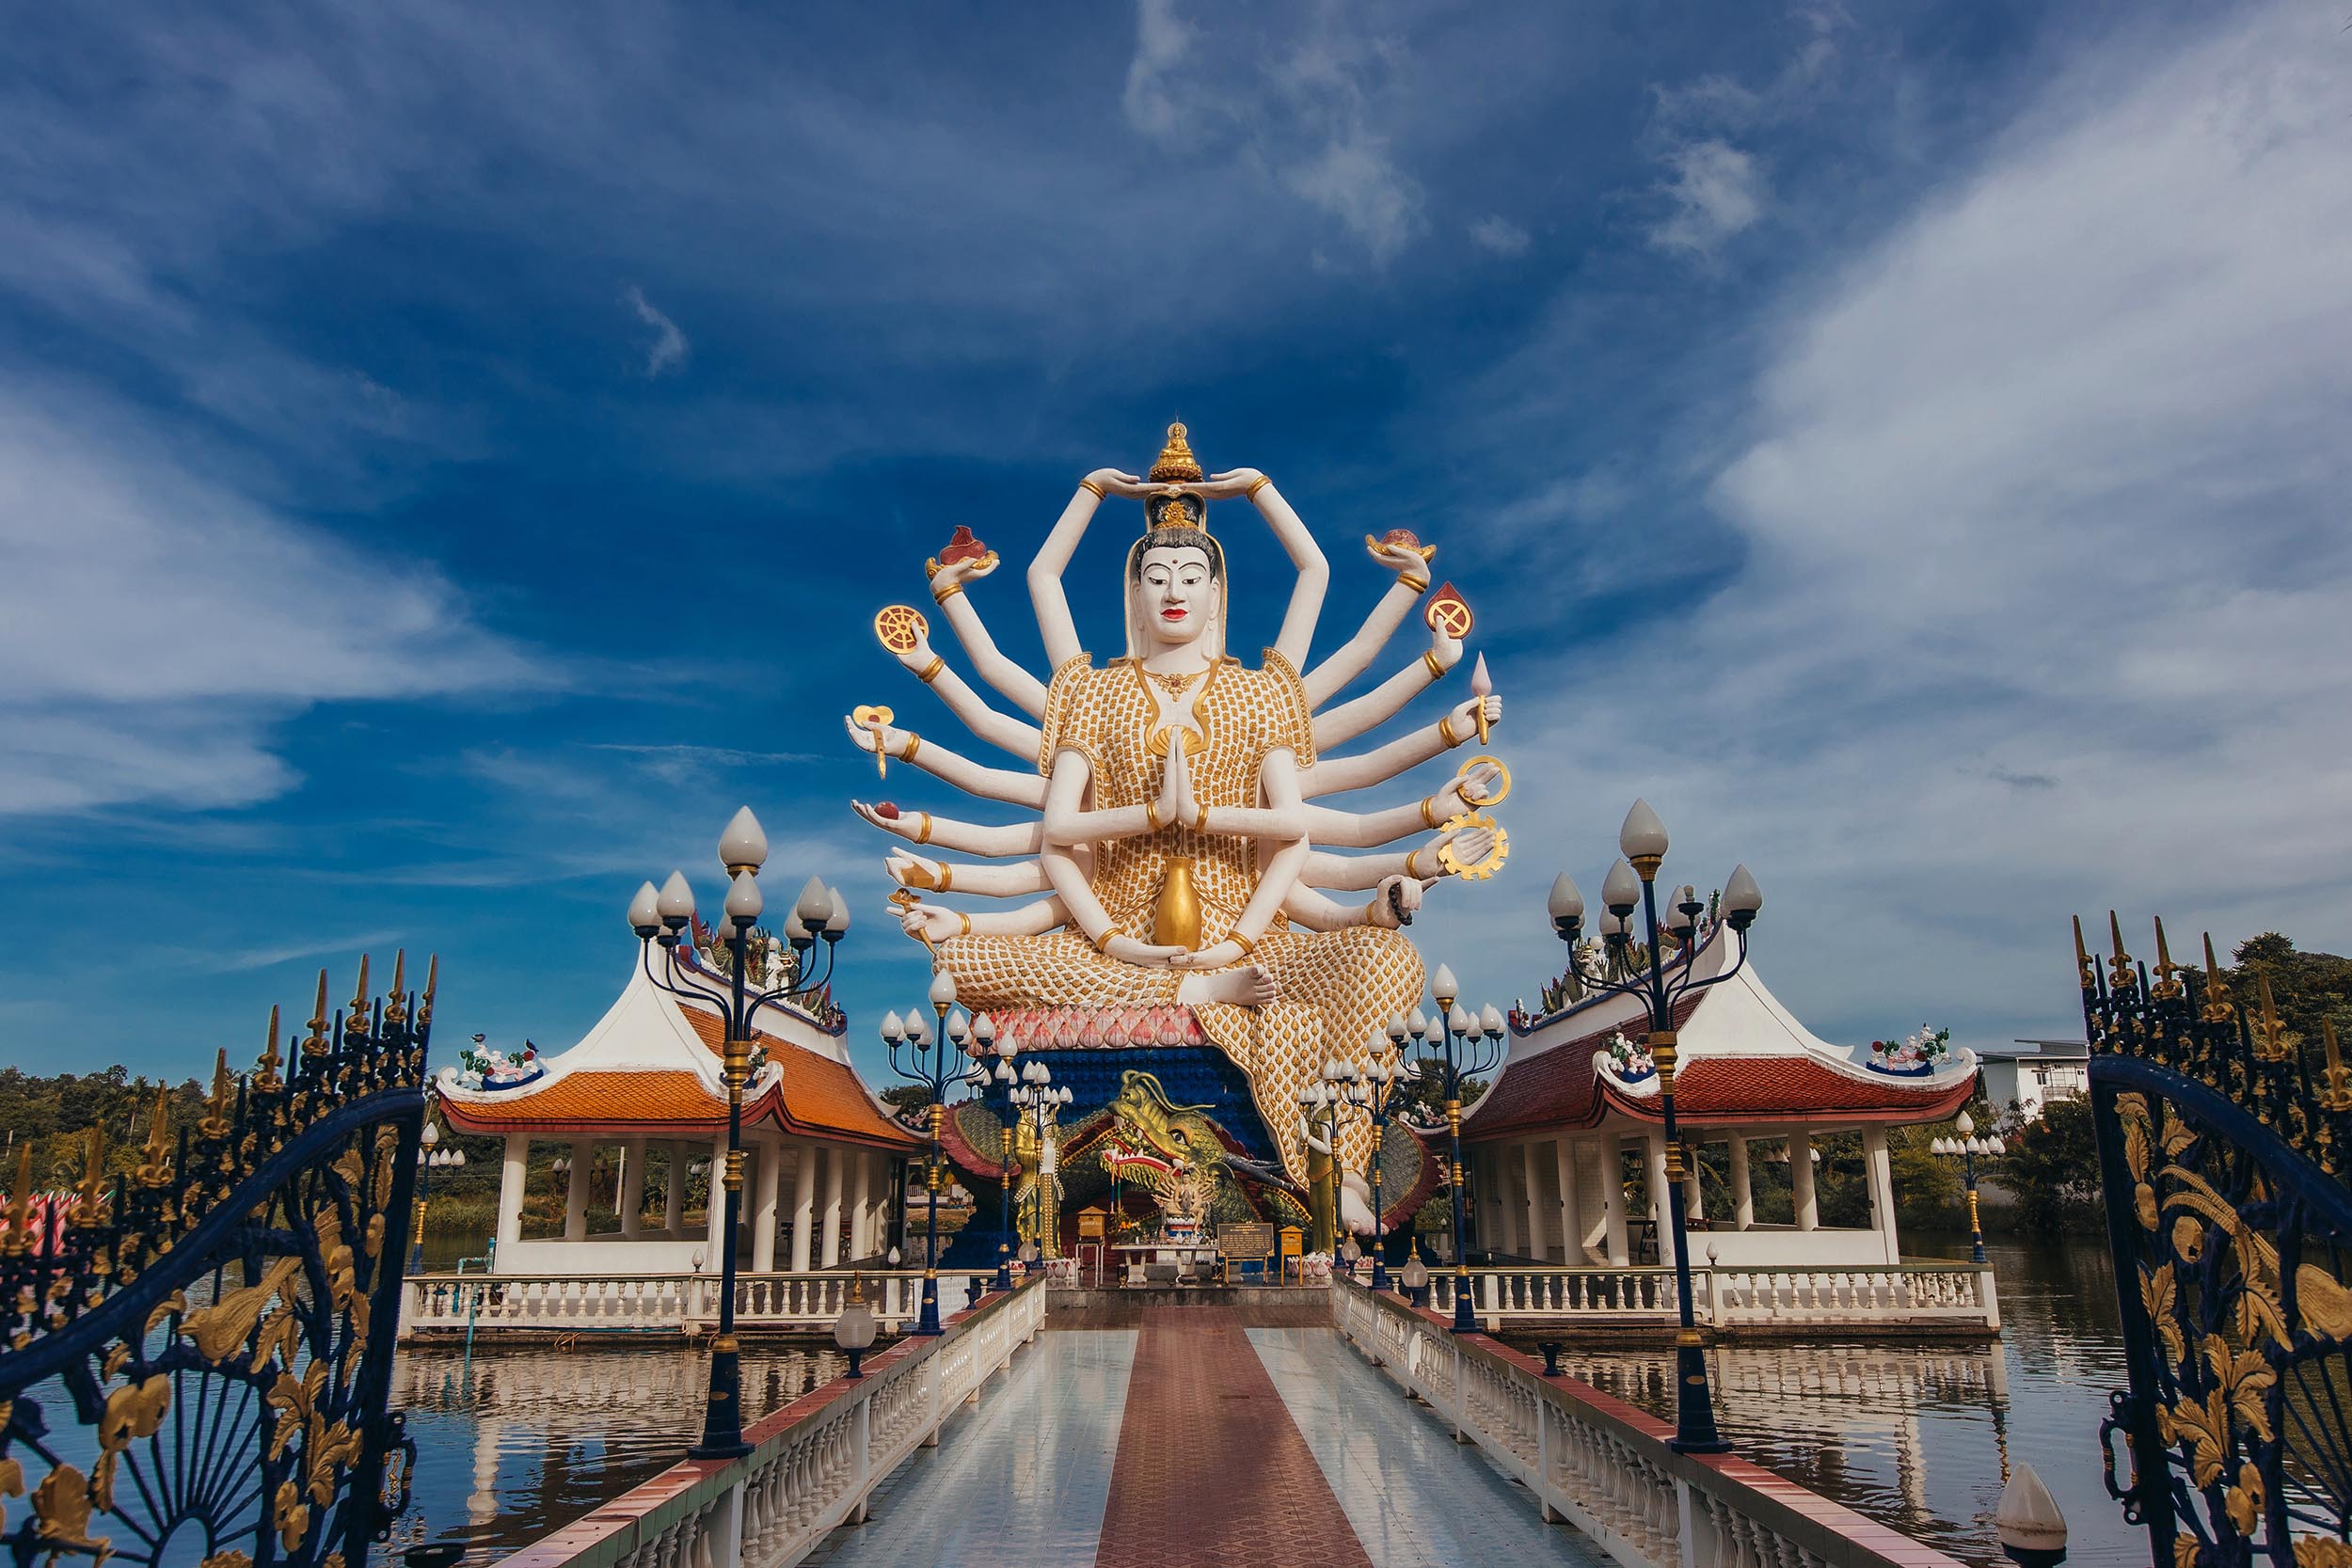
[1350, 1431]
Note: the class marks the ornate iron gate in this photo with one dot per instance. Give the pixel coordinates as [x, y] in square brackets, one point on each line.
[2221, 1147]
[198, 1361]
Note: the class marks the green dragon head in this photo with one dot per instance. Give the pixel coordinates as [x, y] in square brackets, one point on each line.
[1152, 1139]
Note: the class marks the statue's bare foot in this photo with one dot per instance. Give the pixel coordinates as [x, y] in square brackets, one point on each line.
[1242, 986]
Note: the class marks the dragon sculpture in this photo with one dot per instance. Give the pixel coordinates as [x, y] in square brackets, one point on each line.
[1171, 1151]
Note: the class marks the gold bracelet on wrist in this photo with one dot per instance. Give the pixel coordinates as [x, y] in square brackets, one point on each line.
[946, 882]
[940, 596]
[1409, 869]
[929, 672]
[1428, 656]
[1202, 826]
[1090, 484]
[1420, 585]
[1150, 817]
[1103, 943]
[914, 744]
[1429, 812]
[924, 834]
[1255, 485]
[1241, 942]
[967, 923]
[1445, 732]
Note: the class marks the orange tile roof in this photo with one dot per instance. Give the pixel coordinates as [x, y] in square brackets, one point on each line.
[591, 1100]
[1558, 1089]
[818, 1097]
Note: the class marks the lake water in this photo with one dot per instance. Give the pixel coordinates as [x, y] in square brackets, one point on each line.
[1922, 1438]
[1918, 1438]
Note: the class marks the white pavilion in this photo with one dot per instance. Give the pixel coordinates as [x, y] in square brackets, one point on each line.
[1547, 1142]
[648, 1078]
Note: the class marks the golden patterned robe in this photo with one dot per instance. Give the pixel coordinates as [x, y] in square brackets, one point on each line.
[1335, 991]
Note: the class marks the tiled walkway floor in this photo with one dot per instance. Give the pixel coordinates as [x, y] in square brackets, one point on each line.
[1411, 1492]
[1018, 1481]
[1265, 1446]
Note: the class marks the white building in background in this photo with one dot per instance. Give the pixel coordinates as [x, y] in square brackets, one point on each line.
[2028, 1074]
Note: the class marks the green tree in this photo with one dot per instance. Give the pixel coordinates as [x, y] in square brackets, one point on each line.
[2052, 1168]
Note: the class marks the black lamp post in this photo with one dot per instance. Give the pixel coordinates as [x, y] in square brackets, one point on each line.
[1633, 882]
[662, 920]
[985, 1042]
[1459, 1044]
[926, 1065]
[1967, 1147]
[1382, 1081]
[430, 1156]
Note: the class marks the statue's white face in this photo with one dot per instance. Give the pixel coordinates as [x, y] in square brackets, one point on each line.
[1179, 595]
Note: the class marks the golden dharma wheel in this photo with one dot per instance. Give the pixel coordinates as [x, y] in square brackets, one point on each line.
[900, 627]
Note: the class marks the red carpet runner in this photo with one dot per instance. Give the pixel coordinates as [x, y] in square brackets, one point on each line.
[1210, 1469]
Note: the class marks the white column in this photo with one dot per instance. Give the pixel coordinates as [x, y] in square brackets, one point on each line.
[1571, 1213]
[576, 1193]
[1537, 1247]
[829, 1252]
[633, 1199]
[1612, 1195]
[1654, 1143]
[1742, 1194]
[764, 1220]
[674, 1204]
[1498, 1164]
[510, 1177]
[861, 1205]
[1801, 1180]
[715, 1206]
[1694, 1206]
[1880, 1177]
[803, 1205]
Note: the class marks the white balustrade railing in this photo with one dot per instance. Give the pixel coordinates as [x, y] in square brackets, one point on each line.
[812, 1466]
[1606, 1467]
[1845, 1295]
[666, 1304]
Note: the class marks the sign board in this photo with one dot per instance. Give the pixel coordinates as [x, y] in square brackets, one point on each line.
[1254, 1239]
[1091, 1224]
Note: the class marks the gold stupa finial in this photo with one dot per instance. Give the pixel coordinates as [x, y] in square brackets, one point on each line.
[1176, 465]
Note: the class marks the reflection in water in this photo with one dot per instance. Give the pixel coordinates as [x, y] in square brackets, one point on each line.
[537, 1438]
[1921, 1437]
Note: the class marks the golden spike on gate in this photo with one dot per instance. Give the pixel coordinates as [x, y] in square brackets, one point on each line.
[89, 1206]
[315, 1045]
[396, 1000]
[216, 1122]
[2270, 1040]
[2120, 977]
[424, 1003]
[355, 1017]
[2168, 972]
[2083, 966]
[266, 1079]
[2216, 990]
[2335, 1093]
[155, 1170]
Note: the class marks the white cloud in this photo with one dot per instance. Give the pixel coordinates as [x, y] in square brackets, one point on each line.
[2046, 604]
[1715, 191]
[1162, 41]
[156, 624]
[669, 348]
[1499, 235]
[1353, 179]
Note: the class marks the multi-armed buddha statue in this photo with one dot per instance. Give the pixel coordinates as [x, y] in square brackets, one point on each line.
[1175, 854]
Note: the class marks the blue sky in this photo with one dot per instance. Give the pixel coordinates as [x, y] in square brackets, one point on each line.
[448, 457]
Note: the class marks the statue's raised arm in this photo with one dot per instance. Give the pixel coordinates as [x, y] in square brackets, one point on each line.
[1053, 558]
[1408, 558]
[1315, 573]
[966, 560]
